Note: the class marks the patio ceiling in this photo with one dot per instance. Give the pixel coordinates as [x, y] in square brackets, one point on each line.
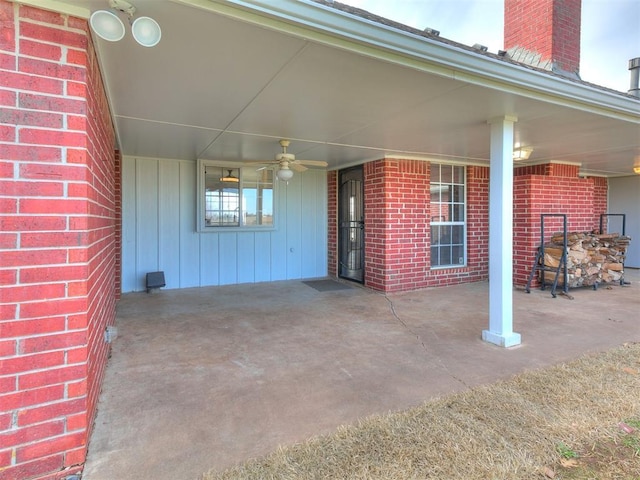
[229, 79]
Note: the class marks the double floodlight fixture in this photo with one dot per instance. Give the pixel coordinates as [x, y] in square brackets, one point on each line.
[107, 24]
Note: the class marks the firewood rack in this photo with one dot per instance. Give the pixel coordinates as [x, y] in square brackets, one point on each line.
[624, 232]
[539, 263]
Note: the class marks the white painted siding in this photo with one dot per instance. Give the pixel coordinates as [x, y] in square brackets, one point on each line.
[159, 231]
[624, 197]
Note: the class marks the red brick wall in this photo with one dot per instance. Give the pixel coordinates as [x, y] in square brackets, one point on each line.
[57, 261]
[117, 190]
[397, 212]
[374, 225]
[550, 28]
[397, 230]
[560, 191]
[600, 198]
[103, 230]
[549, 169]
[396, 215]
[332, 227]
[478, 223]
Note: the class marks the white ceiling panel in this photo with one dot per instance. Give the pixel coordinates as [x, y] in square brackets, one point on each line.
[205, 70]
[229, 79]
[161, 140]
[325, 93]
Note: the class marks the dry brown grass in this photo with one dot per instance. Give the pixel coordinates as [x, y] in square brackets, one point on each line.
[523, 428]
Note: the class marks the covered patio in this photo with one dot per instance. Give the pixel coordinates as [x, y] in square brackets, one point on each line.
[116, 154]
[209, 377]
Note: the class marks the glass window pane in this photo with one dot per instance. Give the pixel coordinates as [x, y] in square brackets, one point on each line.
[457, 234]
[435, 173]
[222, 187]
[447, 210]
[457, 253]
[458, 175]
[445, 256]
[458, 213]
[446, 175]
[237, 197]
[435, 234]
[445, 238]
[441, 235]
[458, 193]
[257, 197]
[435, 259]
[446, 194]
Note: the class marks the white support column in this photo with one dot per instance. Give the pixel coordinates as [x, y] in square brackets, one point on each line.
[501, 235]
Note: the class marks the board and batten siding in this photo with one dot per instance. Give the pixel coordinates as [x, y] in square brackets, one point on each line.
[159, 231]
[624, 197]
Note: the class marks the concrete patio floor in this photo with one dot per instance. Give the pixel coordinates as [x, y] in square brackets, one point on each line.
[209, 377]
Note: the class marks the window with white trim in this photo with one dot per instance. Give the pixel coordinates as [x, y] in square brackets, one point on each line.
[234, 197]
[448, 225]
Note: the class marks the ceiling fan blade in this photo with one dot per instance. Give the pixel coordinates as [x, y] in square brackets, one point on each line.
[312, 163]
[263, 162]
[297, 167]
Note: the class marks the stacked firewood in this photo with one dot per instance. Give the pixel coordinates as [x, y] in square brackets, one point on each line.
[591, 258]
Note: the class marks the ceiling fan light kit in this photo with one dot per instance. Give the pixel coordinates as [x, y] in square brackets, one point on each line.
[284, 174]
[230, 177]
[287, 163]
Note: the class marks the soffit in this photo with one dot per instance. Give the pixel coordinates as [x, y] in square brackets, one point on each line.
[229, 79]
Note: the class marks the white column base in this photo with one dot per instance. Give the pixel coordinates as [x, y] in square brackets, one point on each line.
[510, 340]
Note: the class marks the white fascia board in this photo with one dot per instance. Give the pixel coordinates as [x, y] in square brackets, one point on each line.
[326, 25]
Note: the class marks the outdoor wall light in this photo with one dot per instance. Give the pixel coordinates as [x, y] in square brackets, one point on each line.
[636, 170]
[108, 25]
[522, 153]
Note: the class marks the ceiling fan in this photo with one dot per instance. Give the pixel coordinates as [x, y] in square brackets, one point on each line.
[287, 163]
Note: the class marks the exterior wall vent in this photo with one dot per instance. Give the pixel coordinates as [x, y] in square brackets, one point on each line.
[155, 280]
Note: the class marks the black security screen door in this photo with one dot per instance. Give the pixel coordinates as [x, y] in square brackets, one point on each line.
[351, 225]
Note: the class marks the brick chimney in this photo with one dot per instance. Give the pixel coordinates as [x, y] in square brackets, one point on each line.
[544, 34]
